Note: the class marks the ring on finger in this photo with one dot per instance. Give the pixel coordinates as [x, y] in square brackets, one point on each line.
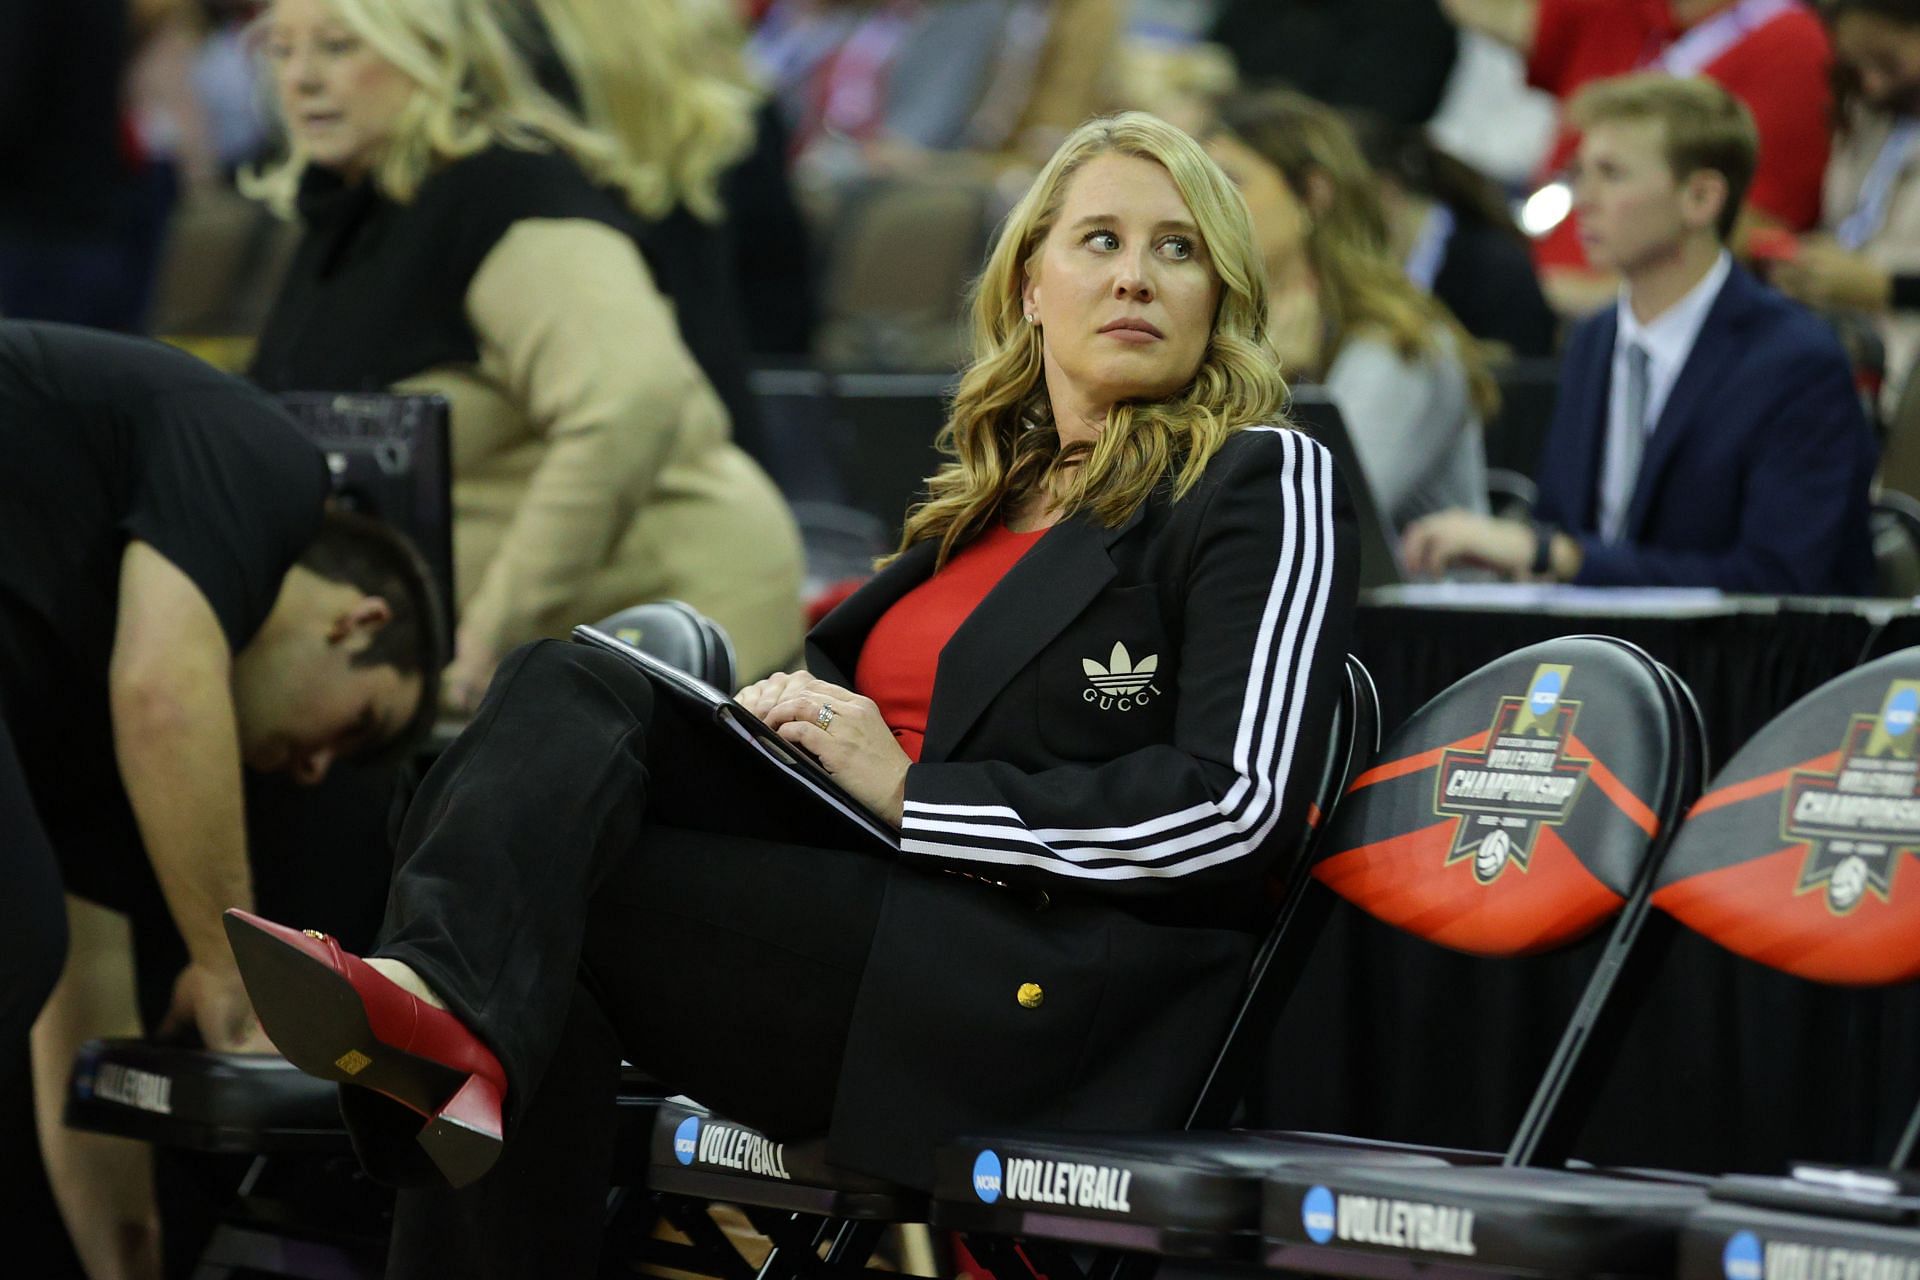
[825, 717]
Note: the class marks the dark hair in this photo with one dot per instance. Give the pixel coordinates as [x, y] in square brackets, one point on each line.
[1405, 154]
[378, 560]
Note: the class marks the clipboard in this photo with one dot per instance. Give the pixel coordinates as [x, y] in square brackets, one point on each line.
[705, 704]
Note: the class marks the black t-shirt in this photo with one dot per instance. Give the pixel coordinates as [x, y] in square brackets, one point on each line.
[108, 439]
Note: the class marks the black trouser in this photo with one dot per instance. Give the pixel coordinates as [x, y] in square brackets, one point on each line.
[33, 925]
[582, 881]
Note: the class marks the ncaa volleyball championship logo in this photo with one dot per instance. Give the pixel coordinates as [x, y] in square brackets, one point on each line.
[1860, 818]
[686, 1140]
[1521, 780]
[986, 1176]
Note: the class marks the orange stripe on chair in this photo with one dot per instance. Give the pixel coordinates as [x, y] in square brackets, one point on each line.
[1766, 782]
[1414, 764]
[1755, 908]
[1404, 881]
[1615, 790]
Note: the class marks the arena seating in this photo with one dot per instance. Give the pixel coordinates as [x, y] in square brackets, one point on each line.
[1519, 811]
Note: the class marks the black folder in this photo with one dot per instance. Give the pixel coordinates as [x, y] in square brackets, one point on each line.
[750, 738]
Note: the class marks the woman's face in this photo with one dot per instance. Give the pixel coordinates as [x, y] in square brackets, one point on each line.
[1281, 221]
[339, 97]
[1122, 288]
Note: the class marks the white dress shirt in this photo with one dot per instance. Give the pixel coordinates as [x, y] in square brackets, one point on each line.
[1668, 340]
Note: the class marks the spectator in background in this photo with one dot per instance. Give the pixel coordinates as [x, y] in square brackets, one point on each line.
[1411, 384]
[1707, 432]
[1389, 57]
[65, 161]
[1771, 54]
[1871, 220]
[458, 237]
[1451, 228]
[642, 73]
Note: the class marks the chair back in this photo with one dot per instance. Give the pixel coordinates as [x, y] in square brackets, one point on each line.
[680, 636]
[1797, 857]
[1895, 522]
[1516, 813]
[1512, 814]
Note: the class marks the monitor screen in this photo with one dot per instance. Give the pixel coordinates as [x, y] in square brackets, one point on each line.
[390, 458]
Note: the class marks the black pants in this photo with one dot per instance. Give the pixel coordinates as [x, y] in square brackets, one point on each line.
[33, 925]
[582, 882]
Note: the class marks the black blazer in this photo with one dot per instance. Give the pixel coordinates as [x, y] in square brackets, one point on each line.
[1123, 734]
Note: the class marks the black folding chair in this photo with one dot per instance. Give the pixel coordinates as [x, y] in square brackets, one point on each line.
[1516, 813]
[825, 1221]
[1790, 859]
[1831, 906]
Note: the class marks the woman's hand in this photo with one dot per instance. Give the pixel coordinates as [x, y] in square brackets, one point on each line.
[1822, 274]
[854, 745]
[466, 678]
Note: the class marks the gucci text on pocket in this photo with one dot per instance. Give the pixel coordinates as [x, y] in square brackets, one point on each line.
[1122, 684]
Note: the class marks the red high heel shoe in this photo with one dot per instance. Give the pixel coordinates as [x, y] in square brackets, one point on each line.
[336, 1017]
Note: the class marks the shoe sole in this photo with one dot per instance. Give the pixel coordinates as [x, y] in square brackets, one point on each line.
[317, 1021]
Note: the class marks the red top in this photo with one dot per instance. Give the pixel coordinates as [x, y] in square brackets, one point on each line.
[1779, 69]
[902, 652]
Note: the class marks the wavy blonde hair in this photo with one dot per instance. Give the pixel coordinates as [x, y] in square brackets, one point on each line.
[1361, 285]
[1000, 434]
[472, 91]
[668, 81]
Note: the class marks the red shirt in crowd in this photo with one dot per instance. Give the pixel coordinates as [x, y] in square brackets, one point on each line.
[1779, 69]
[902, 652]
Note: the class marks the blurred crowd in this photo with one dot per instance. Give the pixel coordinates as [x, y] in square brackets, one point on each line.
[1426, 143]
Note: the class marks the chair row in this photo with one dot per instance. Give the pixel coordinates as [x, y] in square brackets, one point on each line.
[1537, 803]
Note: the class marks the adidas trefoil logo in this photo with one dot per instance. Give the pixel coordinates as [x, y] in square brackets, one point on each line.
[1123, 684]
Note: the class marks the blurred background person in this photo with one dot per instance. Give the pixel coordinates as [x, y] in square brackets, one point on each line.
[1454, 232]
[1707, 432]
[1413, 386]
[617, 65]
[1870, 224]
[458, 238]
[1771, 54]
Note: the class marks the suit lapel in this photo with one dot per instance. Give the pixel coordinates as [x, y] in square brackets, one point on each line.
[1044, 591]
[833, 646]
[1689, 405]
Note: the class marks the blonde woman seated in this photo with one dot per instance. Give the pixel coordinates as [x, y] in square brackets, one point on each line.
[1413, 387]
[464, 234]
[579, 881]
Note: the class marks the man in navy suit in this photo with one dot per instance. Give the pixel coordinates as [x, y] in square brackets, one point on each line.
[1707, 432]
